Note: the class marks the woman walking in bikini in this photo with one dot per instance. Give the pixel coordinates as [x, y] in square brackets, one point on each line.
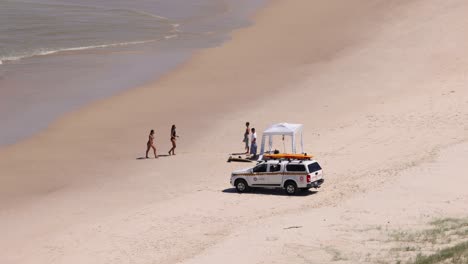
[173, 140]
[150, 144]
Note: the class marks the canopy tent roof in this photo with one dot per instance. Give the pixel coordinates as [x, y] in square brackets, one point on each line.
[283, 129]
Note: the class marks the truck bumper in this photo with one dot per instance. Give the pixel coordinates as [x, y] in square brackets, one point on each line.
[315, 184]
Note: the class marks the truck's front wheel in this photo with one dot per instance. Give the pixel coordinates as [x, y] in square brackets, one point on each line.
[241, 186]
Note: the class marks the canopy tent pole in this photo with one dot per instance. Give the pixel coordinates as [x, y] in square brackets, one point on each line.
[294, 143]
[262, 148]
[270, 142]
[284, 145]
[302, 144]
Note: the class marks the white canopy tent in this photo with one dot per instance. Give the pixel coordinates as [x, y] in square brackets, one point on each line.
[282, 129]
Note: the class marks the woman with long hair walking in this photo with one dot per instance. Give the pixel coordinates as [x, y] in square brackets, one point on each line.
[173, 140]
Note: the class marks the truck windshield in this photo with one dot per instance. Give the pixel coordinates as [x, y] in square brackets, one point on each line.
[260, 168]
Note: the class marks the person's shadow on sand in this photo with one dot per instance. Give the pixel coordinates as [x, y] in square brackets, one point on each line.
[265, 191]
[143, 158]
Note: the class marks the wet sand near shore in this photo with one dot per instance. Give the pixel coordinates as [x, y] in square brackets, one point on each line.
[379, 86]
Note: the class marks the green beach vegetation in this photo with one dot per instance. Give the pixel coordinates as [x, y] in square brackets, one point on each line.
[445, 241]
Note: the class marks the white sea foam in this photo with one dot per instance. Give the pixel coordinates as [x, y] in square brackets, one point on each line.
[150, 15]
[171, 36]
[44, 52]
[175, 28]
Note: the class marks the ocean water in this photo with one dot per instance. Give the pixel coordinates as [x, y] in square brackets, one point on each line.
[45, 27]
[59, 55]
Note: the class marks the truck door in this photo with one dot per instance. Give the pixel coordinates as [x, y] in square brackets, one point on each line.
[259, 175]
[275, 175]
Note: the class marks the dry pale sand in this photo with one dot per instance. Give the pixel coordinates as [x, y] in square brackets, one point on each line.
[379, 85]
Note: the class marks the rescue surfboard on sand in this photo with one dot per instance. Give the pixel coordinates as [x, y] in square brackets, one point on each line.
[239, 159]
[287, 156]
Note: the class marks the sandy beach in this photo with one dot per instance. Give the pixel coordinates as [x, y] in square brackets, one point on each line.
[380, 87]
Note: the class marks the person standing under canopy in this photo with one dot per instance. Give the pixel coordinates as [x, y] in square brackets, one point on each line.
[253, 143]
[246, 137]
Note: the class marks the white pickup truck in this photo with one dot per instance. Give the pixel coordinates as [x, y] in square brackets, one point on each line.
[291, 175]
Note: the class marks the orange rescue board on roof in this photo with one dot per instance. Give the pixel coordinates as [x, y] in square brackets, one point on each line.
[288, 156]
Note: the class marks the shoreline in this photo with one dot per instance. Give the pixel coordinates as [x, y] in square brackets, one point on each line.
[376, 102]
[38, 90]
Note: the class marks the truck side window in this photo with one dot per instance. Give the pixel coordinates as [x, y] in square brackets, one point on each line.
[295, 167]
[260, 168]
[275, 167]
[313, 167]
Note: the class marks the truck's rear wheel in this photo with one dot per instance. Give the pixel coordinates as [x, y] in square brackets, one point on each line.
[241, 186]
[290, 187]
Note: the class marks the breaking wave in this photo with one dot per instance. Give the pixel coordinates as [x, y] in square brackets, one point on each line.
[44, 52]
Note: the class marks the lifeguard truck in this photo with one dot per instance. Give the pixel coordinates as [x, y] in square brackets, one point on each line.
[292, 175]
